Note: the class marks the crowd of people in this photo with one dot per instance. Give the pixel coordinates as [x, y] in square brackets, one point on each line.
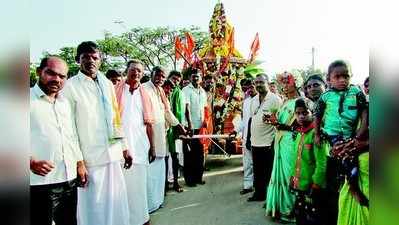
[105, 148]
[306, 146]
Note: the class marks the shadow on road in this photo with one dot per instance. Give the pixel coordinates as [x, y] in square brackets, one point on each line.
[218, 202]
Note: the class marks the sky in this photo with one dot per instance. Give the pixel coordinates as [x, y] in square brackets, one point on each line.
[288, 29]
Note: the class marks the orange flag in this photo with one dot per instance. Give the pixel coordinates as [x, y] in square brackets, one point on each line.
[190, 45]
[178, 48]
[254, 48]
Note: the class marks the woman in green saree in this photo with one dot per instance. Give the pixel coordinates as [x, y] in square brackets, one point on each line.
[351, 212]
[280, 200]
[354, 194]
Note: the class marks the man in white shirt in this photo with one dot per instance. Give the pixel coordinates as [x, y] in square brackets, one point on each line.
[103, 201]
[262, 134]
[196, 100]
[248, 88]
[138, 132]
[163, 117]
[55, 154]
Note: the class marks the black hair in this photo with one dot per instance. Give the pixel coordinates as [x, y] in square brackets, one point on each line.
[168, 83]
[208, 77]
[43, 63]
[243, 81]
[112, 73]
[246, 81]
[300, 102]
[194, 71]
[145, 79]
[335, 64]
[366, 81]
[86, 47]
[220, 85]
[174, 73]
[316, 76]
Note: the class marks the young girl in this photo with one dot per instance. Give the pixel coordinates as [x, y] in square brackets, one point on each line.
[309, 171]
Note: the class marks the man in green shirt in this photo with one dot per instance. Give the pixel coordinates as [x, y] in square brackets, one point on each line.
[178, 108]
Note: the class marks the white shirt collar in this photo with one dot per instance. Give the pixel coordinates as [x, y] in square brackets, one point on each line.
[40, 93]
[192, 86]
[83, 76]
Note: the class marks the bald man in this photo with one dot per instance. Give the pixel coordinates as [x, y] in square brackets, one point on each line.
[262, 133]
[55, 157]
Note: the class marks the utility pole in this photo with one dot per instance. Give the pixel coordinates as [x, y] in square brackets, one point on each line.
[313, 51]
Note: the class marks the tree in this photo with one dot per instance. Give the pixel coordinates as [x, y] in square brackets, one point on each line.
[68, 54]
[305, 73]
[32, 74]
[153, 46]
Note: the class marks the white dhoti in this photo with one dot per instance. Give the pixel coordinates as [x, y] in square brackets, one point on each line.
[136, 185]
[156, 184]
[104, 200]
[248, 168]
[170, 169]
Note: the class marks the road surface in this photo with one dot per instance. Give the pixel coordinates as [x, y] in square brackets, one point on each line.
[218, 202]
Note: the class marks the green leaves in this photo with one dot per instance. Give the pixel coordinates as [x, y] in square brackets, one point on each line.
[153, 46]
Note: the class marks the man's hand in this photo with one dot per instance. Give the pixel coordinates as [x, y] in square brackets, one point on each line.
[315, 191]
[270, 119]
[189, 127]
[82, 174]
[182, 131]
[189, 132]
[151, 155]
[233, 134]
[128, 159]
[41, 167]
[315, 186]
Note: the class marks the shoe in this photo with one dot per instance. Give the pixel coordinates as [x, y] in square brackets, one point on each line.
[201, 182]
[177, 188]
[191, 185]
[246, 190]
[255, 199]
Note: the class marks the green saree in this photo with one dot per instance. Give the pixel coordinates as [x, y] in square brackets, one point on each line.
[350, 211]
[279, 200]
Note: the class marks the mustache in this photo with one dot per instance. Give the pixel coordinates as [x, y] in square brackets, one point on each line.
[90, 65]
[53, 83]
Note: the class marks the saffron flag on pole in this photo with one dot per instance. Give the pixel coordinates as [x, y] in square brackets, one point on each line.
[190, 45]
[178, 48]
[254, 48]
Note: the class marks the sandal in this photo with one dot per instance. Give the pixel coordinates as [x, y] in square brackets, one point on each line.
[178, 188]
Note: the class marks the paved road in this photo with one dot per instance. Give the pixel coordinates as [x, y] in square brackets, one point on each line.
[218, 202]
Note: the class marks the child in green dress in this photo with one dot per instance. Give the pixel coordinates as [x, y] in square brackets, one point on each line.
[309, 171]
